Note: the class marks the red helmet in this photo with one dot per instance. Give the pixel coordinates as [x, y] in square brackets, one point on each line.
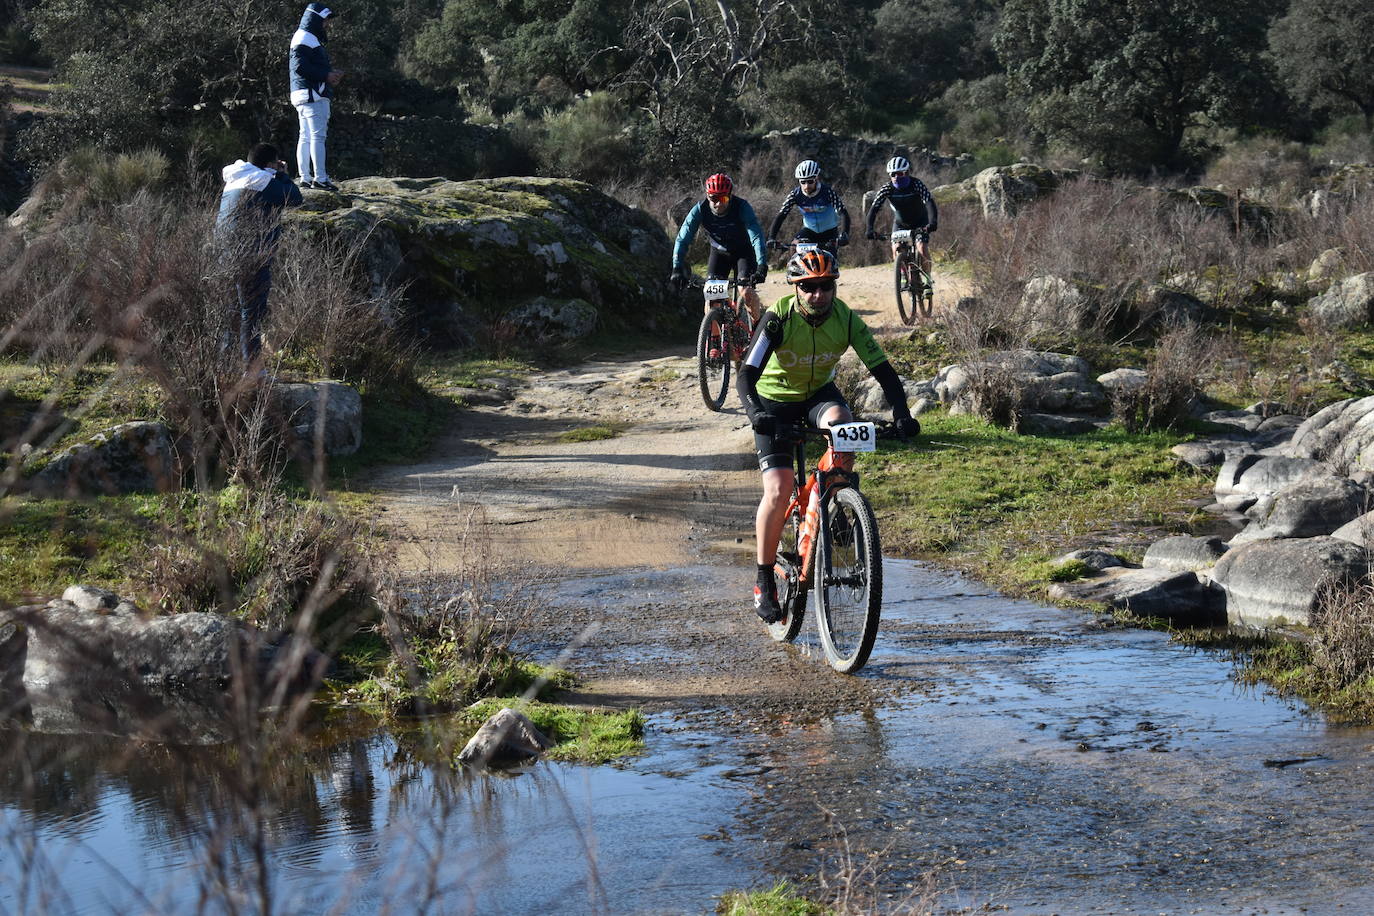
[719, 183]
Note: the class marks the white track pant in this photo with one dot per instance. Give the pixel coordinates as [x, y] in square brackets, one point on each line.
[314, 126]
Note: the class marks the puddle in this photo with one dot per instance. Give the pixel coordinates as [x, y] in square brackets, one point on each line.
[1008, 754]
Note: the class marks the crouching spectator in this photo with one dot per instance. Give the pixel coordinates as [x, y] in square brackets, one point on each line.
[255, 193]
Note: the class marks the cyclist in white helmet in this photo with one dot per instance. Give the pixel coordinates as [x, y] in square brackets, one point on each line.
[912, 208]
[825, 220]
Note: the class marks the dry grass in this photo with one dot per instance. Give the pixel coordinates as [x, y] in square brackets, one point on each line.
[1343, 635]
[1184, 358]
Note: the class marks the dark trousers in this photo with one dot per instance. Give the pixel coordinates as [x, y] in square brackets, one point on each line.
[252, 296]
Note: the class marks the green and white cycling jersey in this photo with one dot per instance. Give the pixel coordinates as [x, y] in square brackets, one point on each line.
[796, 359]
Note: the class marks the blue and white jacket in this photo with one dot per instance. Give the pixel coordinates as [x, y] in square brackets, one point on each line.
[309, 64]
[821, 212]
[252, 201]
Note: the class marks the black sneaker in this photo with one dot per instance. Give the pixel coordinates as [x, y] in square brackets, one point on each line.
[326, 186]
[307, 185]
[766, 605]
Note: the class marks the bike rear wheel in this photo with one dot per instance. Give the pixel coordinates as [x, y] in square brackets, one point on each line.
[907, 297]
[713, 373]
[849, 580]
[791, 594]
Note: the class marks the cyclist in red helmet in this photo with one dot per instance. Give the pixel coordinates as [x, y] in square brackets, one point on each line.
[788, 375]
[736, 239]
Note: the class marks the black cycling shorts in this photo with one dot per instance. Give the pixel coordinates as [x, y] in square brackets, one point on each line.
[721, 263]
[778, 454]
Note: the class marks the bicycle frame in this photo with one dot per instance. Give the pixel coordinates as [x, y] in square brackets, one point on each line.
[807, 498]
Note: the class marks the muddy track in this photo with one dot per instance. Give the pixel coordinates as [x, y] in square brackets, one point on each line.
[648, 535]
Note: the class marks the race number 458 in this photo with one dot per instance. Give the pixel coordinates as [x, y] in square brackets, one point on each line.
[853, 437]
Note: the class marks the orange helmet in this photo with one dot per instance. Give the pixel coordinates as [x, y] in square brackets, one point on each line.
[812, 265]
[718, 184]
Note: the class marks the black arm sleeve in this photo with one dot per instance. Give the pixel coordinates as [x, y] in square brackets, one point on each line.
[782, 215]
[761, 347]
[892, 389]
[877, 202]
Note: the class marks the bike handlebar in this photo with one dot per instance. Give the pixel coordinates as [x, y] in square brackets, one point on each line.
[695, 282]
[800, 429]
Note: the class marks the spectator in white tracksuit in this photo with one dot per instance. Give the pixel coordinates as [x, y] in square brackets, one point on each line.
[313, 80]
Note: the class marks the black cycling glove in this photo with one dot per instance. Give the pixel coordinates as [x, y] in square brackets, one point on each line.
[765, 424]
[842, 240]
[871, 234]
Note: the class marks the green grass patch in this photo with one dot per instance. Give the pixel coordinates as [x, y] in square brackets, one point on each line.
[590, 433]
[582, 735]
[1002, 505]
[782, 899]
[48, 544]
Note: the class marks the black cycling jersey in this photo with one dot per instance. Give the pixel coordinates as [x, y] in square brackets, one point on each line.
[912, 207]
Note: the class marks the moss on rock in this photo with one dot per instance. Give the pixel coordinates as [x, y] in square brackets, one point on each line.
[470, 252]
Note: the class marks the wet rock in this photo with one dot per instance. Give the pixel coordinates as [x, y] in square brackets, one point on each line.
[1206, 454]
[1346, 304]
[1278, 582]
[1183, 553]
[133, 457]
[68, 644]
[1304, 509]
[507, 738]
[325, 416]
[1179, 596]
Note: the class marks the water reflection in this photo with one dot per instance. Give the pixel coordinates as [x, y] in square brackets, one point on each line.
[351, 820]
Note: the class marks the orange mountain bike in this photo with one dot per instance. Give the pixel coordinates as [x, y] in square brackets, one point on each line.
[723, 337]
[830, 547]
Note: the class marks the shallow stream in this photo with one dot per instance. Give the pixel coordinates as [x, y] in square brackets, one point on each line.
[1017, 756]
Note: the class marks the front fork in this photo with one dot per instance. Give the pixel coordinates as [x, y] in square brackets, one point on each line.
[811, 496]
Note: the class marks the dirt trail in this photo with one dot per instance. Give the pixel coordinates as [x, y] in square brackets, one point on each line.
[674, 489]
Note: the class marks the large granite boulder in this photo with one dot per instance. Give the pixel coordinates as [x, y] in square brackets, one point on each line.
[1245, 479]
[1279, 582]
[1316, 505]
[1052, 304]
[1044, 382]
[1005, 189]
[135, 457]
[1184, 553]
[1340, 434]
[1348, 303]
[478, 251]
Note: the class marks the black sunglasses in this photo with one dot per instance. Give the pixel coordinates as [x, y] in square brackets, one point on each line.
[812, 286]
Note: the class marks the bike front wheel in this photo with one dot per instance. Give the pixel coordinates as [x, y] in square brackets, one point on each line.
[908, 296]
[849, 580]
[927, 300]
[787, 572]
[713, 372]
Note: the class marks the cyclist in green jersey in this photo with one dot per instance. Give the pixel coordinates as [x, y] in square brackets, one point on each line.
[788, 375]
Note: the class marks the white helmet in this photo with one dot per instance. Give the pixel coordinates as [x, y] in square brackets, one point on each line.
[808, 168]
[898, 164]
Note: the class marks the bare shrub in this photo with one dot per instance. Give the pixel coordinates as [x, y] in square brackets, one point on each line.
[1343, 634]
[1183, 358]
[256, 554]
[1264, 168]
[325, 308]
[452, 628]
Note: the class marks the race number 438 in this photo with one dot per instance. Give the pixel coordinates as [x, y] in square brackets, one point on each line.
[853, 437]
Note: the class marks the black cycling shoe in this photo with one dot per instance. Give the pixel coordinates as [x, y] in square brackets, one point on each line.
[766, 605]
